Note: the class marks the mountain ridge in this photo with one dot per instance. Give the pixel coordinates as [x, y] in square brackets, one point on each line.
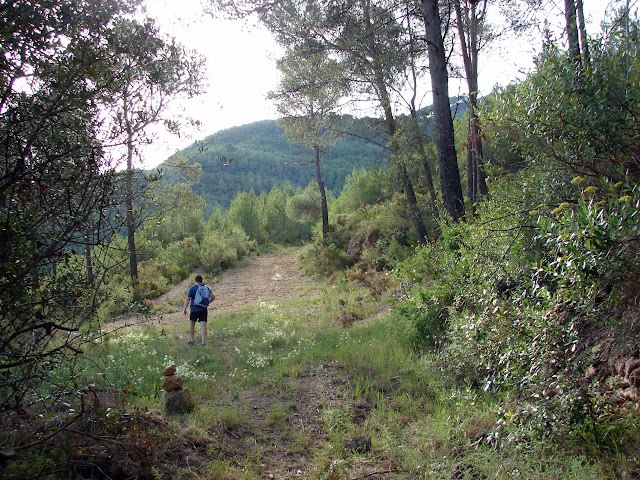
[261, 157]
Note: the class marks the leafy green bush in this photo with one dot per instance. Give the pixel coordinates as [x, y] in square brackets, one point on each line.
[322, 258]
[594, 241]
[361, 188]
[180, 213]
[184, 254]
[428, 311]
[585, 122]
[385, 253]
[279, 226]
[246, 212]
[515, 312]
[306, 206]
[448, 283]
[116, 297]
[222, 248]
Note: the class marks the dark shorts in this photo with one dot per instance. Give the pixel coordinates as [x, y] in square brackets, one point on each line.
[200, 316]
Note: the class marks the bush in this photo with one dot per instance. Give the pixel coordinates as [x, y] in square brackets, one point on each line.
[449, 282]
[221, 249]
[322, 258]
[595, 246]
[306, 206]
[361, 188]
[184, 254]
[247, 212]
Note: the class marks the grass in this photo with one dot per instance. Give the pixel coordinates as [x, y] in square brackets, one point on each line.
[282, 387]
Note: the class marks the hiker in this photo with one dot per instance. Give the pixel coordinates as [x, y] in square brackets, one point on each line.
[200, 296]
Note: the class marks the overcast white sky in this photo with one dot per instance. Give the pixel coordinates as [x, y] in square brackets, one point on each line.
[241, 68]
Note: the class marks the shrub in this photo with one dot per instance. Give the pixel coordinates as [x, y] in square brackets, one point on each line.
[450, 281]
[246, 212]
[279, 226]
[595, 246]
[222, 248]
[184, 254]
[306, 206]
[361, 188]
[322, 258]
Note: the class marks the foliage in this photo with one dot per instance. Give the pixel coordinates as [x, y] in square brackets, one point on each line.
[289, 358]
[375, 237]
[222, 248]
[453, 275]
[323, 258]
[509, 304]
[584, 122]
[58, 191]
[480, 370]
[305, 205]
[181, 213]
[363, 187]
[279, 226]
[501, 149]
[245, 211]
[184, 254]
[529, 329]
[309, 96]
[594, 245]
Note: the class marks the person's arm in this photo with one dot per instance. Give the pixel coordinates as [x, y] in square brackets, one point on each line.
[186, 304]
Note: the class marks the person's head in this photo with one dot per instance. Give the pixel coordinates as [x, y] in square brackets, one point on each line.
[198, 278]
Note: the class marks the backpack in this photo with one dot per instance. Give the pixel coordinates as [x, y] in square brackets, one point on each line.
[203, 296]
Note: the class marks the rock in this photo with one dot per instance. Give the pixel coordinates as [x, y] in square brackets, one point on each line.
[591, 372]
[631, 366]
[178, 401]
[354, 248]
[359, 445]
[171, 383]
[170, 370]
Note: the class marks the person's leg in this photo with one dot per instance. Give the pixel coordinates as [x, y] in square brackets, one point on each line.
[203, 332]
[192, 331]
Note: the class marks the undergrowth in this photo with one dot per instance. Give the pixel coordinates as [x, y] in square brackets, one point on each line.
[255, 413]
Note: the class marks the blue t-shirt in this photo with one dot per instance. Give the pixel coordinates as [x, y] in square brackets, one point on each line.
[192, 295]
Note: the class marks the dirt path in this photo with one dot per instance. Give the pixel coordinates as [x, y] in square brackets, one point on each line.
[271, 276]
[268, 277]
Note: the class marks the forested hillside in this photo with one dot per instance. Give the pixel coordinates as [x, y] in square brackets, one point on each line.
[262, 158]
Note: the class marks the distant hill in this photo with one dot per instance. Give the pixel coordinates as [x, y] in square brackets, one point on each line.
[262, 158]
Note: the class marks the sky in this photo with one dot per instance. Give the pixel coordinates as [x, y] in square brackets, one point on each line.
[241, 69]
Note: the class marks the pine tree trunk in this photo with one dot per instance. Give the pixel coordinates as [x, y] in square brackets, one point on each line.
[131, 227]
[476, 177]
[323, 194]
[571, 18]
[445, 142]
[586, 56]
[131, 240]
[414, 211]
[89, 260]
